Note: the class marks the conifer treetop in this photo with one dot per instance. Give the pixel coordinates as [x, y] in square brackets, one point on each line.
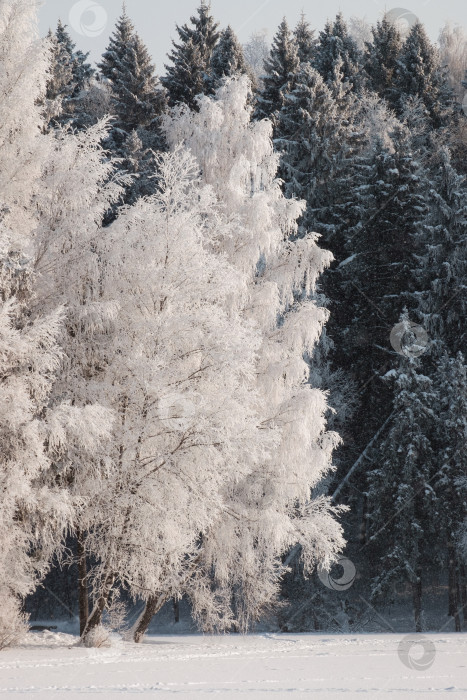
[227, 57]
[305, 38]
[337, 49]
[188, 76]
[127, 65]
[419, 73]
[280, 68]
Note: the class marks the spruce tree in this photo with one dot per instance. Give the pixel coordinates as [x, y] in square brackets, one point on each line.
[227, 59]
[419, 74]
[137, 103]
[188, 76]
[381, 60]
[280, 70]
[443, 266]
[373, 277]
[383, 212]
[336, 50]
[400, 498]
[449, 480]
[136, 97]
[305, 39]
[70, 74]
[310, 138]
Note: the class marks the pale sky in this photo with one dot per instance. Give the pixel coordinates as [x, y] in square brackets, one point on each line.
[91, 21]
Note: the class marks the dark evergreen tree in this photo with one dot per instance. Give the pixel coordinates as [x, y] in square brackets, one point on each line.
[386, 203]
[449, 479]
[137, 103]
[337, 52]
[280, 71]
[227, 59]
[419, 73]
[372, 280]
[70, 74]
[381, 60]
[400, 497]
[458, 133]
[311, 140]
[443, 265]
[189, 74]
[305, 39]
[136, 95]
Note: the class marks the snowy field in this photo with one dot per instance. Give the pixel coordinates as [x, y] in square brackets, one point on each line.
[50, 665]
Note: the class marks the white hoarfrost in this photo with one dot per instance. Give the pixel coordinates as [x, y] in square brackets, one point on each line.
[179, 370]
[272, 507]
[39, 425]
[30, 513]
[155, 391]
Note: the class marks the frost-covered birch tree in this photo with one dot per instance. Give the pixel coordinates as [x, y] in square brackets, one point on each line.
[78, 189]
[272, 507]
[34, 509]
[176, 373]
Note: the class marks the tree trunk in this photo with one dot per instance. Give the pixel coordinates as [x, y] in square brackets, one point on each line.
[176, 602]
[452, 603]
[82, 582]
[364, 521]
[457, 617]
[95, 618]
[454, 589]
[463, 584]
[153, 605]
[417, 599]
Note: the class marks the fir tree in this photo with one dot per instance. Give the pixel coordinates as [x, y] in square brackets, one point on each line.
[227, 59]
[374, 279]
[280, 69]
[188, 76]
[388, 202]
[136, 98]
[449, 480]
[443, 266]
[309, 137]
[381, 60]
[400, 498]
[337, 52]
[419, 74]
[137, 102]
[305, 39]
[70, 74]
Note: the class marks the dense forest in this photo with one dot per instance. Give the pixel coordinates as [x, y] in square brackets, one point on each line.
[232, 324]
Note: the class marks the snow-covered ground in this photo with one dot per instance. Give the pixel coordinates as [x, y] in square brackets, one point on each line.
[50, 665]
